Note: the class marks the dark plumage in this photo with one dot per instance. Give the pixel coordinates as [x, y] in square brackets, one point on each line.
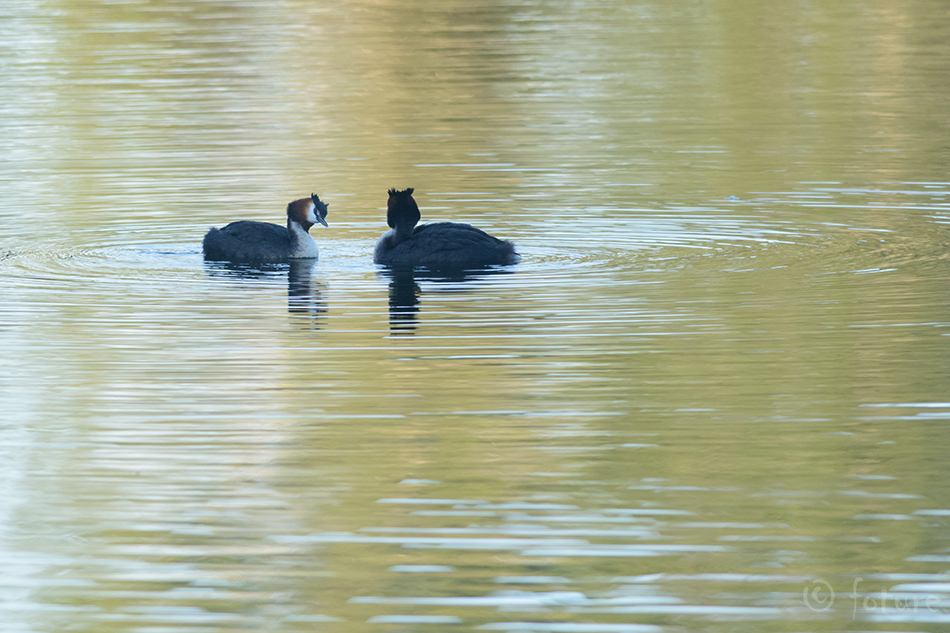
[439, 245]
[263, 242]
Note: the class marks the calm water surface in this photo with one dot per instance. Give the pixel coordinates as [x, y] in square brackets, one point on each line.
[714, 395]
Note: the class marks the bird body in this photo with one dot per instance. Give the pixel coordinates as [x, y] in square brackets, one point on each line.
[263, 242]
[437, 245]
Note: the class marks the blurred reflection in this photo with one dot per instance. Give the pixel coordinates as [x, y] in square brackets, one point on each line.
[305, 297]
[405, 293]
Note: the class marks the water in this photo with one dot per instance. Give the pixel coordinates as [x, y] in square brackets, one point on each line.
[712, 397]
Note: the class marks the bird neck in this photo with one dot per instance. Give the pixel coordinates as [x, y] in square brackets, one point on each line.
[402, 232]
[302, 243]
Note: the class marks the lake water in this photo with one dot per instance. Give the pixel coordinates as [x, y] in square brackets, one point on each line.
[714, 396]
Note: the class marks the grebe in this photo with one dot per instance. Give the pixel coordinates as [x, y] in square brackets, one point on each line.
[250, 241]
[439, 245]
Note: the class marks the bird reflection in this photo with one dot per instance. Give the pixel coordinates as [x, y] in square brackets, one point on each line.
[405, 293]
[305, 297]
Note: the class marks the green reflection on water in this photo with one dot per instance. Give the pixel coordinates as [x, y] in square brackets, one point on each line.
[759, 378]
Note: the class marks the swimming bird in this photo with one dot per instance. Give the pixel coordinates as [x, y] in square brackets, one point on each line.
[438, 246]
[264, 242]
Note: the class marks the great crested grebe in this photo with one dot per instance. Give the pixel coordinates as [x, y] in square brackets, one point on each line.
[438, 245]
[250, 241]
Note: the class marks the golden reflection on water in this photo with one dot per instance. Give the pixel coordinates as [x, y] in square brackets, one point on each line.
[716, 380]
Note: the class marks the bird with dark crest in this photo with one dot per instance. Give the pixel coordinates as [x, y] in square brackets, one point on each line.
[264, 242]
[441, 245]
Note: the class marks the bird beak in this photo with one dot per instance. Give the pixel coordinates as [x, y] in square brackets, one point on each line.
[317, 203]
